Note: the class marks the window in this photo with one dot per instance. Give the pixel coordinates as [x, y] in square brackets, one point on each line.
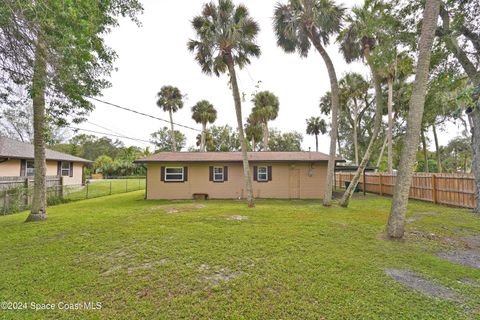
[30, 165]
[262, 173]
[218, 174]
[174, 174]
[65, 168]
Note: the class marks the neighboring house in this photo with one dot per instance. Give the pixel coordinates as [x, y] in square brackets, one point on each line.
[287, 175]
[16, 160]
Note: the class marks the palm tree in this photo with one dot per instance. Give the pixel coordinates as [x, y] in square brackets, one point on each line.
[253, 132]
[398, 210]
[204, 112]
[226, 38]
[265, 109]
[315, 126]
[353, 87]
[299, 24]
[357, 41]
[170, 99]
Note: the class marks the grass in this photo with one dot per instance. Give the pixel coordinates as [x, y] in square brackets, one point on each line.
[100, 188]
[289, 259]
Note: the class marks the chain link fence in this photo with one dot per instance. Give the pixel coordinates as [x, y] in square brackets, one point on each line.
[19, 198]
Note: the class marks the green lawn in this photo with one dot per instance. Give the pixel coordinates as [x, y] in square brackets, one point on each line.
[289, 259]
[100, 188]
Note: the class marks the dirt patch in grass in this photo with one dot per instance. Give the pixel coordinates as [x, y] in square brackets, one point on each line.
[146, 265]
[416, 282]
[449, 241]
[237, 218]
[469, 258]
[470, 282]
[193, 207]
[410, 220]
[216, 277]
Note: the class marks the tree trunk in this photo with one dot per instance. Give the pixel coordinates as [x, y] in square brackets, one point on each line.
[390, 125]
[316, 142]
[475, 119]
[202, 138]
[376, 130]
[355, 140]
[426, 167]
[339, 144]
[172, 137]
[238, 110]
[396, 221]
[39, 202]
[473, 74]
[437, 148]
[265, 136]
[382, 151]
[327, 197]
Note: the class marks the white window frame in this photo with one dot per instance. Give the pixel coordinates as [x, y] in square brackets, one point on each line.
[215, 173]
[62, 169]
[263, 173]
[166, 174]
[32, 163]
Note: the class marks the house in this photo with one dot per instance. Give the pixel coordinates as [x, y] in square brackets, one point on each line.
[16, 160]
[285, 175]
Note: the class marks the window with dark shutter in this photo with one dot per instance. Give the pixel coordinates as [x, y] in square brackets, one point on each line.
[162, 173]
[71, 169]
[210, 173]
[225, 173]
[255, 173]
[185, 173]
[23, 167]
[269, 173]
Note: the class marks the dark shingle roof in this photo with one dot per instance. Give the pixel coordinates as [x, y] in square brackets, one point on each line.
[264, 156]
[10, 148]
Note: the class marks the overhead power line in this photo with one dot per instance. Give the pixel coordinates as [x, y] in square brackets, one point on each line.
[109, 134]
[144, 114]
[105, 128]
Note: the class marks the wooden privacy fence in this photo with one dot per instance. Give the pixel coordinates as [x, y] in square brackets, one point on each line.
[443, 188]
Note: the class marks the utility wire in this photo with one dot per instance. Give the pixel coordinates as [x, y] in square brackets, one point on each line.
[105, 128]
[143, 114]
[108, 134]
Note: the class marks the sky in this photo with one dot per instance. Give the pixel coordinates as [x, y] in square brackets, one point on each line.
[156, 54]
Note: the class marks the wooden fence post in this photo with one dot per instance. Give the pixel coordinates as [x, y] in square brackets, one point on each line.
[25, 185]
[434, 188]
[381, 185]
[60, 193]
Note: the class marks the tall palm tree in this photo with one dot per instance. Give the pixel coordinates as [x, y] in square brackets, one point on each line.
[357, 41]
[226, 39]
[316, 126]
[266, 106]
[396, 221]
[299, 24]
[170, 99]
[204, 112]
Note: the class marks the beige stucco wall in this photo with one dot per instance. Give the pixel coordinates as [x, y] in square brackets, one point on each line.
[289, 180]
[11, 168]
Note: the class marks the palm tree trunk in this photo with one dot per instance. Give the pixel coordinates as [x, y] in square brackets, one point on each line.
[172, 131]
[380, 156]
[390, 125]
[355, 140]
[475, 119]
[396, 221]
[238, 110]
[327, 197]
[316, 142]
[425, 153]
[265, 136]
[202, 138]
[437, 148]
[376, 129]
[39, 202]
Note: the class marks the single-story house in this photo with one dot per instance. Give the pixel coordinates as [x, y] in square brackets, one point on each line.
[285, 175]
[16, 160]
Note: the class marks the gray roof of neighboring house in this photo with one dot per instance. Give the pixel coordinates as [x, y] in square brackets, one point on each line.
[261, 156]
[10, 148]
